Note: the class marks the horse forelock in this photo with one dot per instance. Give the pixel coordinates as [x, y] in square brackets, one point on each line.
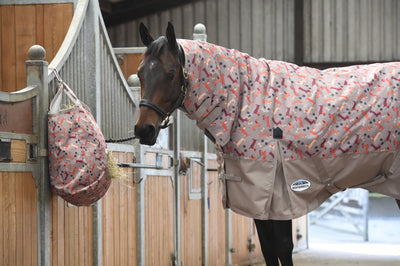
[156, 48]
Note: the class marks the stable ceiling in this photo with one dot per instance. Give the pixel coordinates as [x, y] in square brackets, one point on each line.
[121, 11]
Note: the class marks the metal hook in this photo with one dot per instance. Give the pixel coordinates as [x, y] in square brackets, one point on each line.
[57, 76]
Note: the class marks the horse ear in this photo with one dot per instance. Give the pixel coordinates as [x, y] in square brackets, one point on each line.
[171, 37]
[145, 35]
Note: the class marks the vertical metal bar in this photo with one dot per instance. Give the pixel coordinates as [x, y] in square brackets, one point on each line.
[36, 70]
[298, 32]
[177, 196]
[140, 214]
[140, 221]
[199, 33]
[228, 238]
[365, 210]
[204, 202]
[92, 17]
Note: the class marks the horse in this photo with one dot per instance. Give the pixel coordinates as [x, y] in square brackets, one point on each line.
[287, 137]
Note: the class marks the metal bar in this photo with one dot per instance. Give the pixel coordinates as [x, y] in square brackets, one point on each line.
[130, 50]
[228, 238]
[21, 95]
[158, 172]
[204, 203]
[199, 33]
[36, 70]
[27, 138]
[298, 32]
[32, 2]
[93, 16]
[365, 210]
[140, 213]
[19, 167]
[139, 165]
[177, 195]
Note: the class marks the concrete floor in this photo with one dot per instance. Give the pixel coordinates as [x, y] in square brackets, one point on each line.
[334, 241]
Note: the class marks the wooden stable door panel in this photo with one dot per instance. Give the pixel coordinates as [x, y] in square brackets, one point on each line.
[56, 21]
[25, 37]
[129, 63]
[300, 233]
[71, 237]
[119, 217]
[191, 238]
[8, 50]
[22, 26]
[159, 220]
[216, 219]
[18, 151]
[16, 117]
[18, 219]
[240, 233]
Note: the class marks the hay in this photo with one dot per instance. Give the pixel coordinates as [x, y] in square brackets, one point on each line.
[114, 170]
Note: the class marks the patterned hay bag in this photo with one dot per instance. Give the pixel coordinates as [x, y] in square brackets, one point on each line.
[77, 152]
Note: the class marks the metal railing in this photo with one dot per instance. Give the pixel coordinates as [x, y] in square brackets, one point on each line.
[86, 62]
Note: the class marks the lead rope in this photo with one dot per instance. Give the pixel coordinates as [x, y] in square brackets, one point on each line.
[120, 140]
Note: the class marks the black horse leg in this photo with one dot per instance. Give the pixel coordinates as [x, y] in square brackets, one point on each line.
[284, 240]
[276, 241]
[266, 238]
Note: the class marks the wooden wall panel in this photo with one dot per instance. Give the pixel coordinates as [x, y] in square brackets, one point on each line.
[159, 221]
[119, 218]
[130, 64]
[71, 233]
[216, 219]
[56, 21]
[18, 219]
[240, 232]
[8, 50]
[22, 26]
[190, 226]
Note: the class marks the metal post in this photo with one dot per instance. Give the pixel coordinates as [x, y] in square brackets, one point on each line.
[228, 255]
[204, 203]
[365, 211]
[199, 33]
[134, 84]
[36, 70]
[177, 187]
[95, 103]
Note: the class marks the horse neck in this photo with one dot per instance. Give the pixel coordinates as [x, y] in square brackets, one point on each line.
[201, 65]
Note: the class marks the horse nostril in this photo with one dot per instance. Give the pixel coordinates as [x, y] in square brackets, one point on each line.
[150, 130]
[146, 133]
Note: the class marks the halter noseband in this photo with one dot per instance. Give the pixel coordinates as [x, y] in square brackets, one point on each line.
[179, 101]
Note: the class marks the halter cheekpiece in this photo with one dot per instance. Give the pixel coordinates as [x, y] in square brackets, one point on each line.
[179, 101]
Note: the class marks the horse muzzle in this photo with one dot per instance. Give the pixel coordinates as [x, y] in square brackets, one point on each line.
[147, 134]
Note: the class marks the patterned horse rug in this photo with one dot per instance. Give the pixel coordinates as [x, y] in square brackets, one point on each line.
[289, 137]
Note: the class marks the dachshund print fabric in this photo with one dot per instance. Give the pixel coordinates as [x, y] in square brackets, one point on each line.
[349, 113]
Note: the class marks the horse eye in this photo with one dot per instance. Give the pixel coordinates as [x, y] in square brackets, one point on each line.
[170, 76]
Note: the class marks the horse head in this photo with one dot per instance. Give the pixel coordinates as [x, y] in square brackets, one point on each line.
[162, 81]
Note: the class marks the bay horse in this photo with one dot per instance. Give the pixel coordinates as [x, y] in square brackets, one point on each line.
[287, 137]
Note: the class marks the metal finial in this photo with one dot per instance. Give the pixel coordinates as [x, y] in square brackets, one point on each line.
[36, 52]
[199, 29]
[199, 33]
[133, 81]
